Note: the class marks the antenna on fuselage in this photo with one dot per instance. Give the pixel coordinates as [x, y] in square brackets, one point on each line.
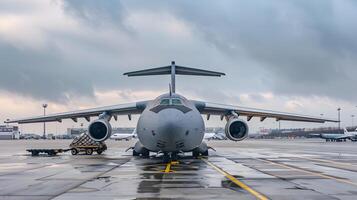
[174, 69]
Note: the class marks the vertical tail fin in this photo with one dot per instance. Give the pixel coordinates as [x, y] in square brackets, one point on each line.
[174, 69]
[345, 131]
[170, 89]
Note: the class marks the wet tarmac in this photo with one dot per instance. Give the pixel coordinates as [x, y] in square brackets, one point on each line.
[252, 169]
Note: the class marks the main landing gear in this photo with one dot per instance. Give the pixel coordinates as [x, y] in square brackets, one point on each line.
[201, 150]
[140, 150]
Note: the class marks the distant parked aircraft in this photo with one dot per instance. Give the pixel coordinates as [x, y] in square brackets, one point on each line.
[352, 134]
[123, 136]
[209, 136]
[336, 137]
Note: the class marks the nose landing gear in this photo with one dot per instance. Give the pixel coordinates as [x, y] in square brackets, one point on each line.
[171, 156]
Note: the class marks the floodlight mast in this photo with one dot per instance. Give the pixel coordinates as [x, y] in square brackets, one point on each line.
[44, 123]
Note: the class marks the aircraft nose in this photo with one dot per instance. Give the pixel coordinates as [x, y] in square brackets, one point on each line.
[172, 128]
[172, 120]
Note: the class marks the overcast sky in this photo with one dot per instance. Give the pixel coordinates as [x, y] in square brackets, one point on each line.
[294, 56]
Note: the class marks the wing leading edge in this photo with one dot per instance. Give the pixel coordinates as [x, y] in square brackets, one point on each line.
[221, 109]
[114, 110]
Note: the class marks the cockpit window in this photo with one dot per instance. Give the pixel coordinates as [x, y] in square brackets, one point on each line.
[165, 102]
[173, 101]
[176, 101]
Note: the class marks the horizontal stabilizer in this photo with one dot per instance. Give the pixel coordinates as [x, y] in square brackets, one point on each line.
[149, 72]
[178, 70]
[173, 69]
[196, 72]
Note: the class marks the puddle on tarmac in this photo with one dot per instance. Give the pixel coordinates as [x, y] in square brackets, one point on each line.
[185, 175]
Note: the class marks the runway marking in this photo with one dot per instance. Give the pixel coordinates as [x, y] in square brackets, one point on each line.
[236, 181]
[168, 166]
[309, 172]
[329, 161]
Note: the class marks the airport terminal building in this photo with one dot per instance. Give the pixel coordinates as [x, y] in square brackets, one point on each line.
[9, 132]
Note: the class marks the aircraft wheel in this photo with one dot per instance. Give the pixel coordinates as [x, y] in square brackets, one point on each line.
[205, 153]
[51, 153]
[135, 153]
[174, 156]
[166, 158]
[146, 153]
[99, 152]
[74, 151]
[195, 154]
[35, 153]
[89, 151]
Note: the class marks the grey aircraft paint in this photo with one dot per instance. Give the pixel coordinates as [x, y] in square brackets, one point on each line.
[172, 128]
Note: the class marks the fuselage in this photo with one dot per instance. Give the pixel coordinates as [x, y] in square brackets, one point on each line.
[332, 136]
[170, 123]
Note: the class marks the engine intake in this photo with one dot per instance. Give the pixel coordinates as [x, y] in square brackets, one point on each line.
[236, 129]
[100, 130]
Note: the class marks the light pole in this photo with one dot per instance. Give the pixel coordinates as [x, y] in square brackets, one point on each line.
[339, 118]
[352, 116]
[279, 125]
[44, 123]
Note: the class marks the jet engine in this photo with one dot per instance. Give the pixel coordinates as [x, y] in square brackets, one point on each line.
[236, 129]
[100, 130]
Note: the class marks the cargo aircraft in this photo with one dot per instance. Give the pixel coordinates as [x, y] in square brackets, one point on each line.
[338, 137]
[171, 124]
[123, 136]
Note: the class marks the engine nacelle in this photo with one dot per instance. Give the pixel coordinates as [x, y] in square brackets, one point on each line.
[236, 129]
[100, 130]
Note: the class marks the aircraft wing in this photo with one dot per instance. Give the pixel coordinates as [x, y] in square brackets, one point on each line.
[224, 110]
[114, 110]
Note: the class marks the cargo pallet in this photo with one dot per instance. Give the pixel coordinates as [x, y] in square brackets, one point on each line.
[84, 143]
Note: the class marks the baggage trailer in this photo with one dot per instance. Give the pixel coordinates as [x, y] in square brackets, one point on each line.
[50, 152]
[85, 144]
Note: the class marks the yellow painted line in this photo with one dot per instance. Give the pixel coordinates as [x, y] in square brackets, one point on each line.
[329, 161]
[309, 172]
[236, 181]
[168, 167]
[175, 162]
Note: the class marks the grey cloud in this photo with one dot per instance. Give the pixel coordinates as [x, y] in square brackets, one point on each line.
[40, 75]
[297, 48]
[96, 13]
[306, 47]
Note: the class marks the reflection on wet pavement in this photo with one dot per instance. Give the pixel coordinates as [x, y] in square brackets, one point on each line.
[242, 171]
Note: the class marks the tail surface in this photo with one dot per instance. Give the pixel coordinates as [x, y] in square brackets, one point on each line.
[174, 69]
